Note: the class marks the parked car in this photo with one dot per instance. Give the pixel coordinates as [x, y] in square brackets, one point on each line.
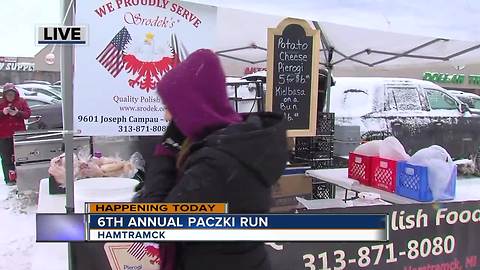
[57, 89]
[419, 113]
[259, 75]
[47, 116]
[472, 100]
[40, 100]
[36, 96]
[22, 92]
[37, 82]
[42, 89]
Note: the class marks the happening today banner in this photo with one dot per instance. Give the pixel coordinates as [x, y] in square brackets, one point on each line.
[131, 45]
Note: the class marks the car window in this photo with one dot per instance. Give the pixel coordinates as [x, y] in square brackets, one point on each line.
[41, 91]
[404, 98]
[27, 92]
[476, 103]
[57, 90]
[439, 100]
[32, 103]
[467, 100]
[45, 92]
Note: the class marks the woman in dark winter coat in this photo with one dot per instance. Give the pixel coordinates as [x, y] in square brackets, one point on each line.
[13, 111]
[212, 154]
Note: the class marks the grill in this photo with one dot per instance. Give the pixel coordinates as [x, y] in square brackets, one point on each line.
[33, 152]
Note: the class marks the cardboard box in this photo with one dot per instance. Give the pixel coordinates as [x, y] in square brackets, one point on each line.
[291, 144]
[287, 188]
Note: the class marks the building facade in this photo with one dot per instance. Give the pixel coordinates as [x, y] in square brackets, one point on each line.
[20, 69]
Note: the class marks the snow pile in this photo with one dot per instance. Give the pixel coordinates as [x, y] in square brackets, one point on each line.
[17, 229]
[353, 97]
[466, 166]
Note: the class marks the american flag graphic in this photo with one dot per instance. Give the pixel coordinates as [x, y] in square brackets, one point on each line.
[137, 250]
[112, 56]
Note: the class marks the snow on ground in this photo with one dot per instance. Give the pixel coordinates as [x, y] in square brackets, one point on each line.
[17, 229]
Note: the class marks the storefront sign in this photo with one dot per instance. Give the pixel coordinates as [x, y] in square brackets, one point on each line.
[447, 78]
[444, 77]
[250, 70]
[24, 67]
[292, 83]
[474, 79]
[422, 237]
[133, 44]
[4, 59]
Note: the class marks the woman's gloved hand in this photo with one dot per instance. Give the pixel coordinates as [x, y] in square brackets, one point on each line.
[173, 137]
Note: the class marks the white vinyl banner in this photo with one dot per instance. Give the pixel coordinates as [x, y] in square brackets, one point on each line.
[131, 45]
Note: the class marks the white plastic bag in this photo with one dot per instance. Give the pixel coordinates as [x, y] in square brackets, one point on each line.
[87, 167]
[57, 169]
[391, 148]
[440, 169]
[371, 148]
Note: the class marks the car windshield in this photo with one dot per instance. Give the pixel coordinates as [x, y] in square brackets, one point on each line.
[404, 98]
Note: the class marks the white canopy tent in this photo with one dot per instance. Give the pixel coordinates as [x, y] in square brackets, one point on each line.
[242, 36]
[438, 18]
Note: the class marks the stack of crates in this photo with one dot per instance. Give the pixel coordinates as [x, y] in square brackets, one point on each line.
[377, 172]
[317, 152]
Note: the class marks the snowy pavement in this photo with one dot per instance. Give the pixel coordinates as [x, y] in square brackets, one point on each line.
[17, 229]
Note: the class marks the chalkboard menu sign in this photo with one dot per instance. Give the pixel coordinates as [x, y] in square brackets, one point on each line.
[292, 79]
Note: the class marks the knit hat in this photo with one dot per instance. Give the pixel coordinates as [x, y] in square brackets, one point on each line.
[9, 87]
[196, 96]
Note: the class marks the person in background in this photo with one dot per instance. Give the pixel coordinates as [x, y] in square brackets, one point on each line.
[13, 111]
[211, 154]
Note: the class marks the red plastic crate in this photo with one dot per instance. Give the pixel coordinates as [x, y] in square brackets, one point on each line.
[360, 168]
[384, 174]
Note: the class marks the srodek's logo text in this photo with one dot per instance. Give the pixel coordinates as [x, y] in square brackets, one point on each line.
[61, 35]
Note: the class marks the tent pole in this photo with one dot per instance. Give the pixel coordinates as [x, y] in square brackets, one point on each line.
[329, 67]
[67, 99]
[328, 51]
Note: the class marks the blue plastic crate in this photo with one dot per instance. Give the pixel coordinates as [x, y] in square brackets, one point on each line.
[412, 182]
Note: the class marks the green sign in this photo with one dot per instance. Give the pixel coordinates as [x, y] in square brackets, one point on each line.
[474, 79]
[444, 77]
[451, 78]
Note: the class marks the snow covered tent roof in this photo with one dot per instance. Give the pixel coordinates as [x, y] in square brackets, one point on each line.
[436, 18]
[242, 34]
